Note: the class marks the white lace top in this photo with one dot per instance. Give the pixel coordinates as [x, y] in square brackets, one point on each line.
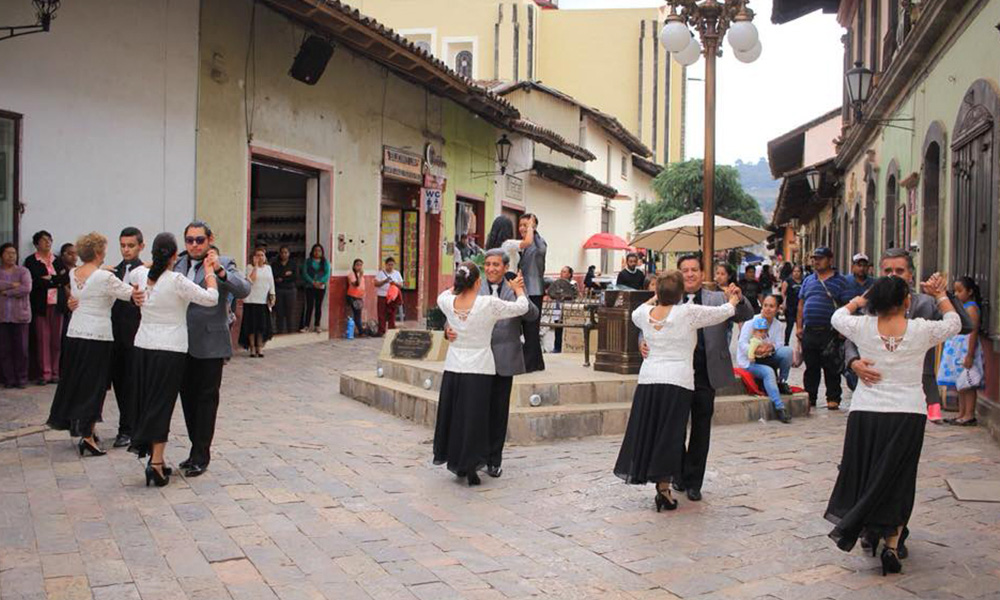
[672, 340]
[902, 368]
[164, 312]
[92, 318]
[471, 352]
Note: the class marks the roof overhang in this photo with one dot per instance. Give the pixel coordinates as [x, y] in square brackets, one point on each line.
[573, 178]
[785, 152]
[796, 200]
[646, 166]
[783, 11]
[551, 139]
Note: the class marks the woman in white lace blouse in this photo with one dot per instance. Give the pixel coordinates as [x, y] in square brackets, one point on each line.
[874, 493]
[87, 351]
[461, 433]
[653, 447]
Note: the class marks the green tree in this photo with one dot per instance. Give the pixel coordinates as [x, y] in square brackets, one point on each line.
[680, 187]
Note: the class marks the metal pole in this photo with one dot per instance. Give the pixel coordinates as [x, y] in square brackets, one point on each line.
[708, 243]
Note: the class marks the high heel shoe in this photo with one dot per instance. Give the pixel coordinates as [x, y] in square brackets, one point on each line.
[890, 561]
[901, 550]
[154, 476]
[473, 479]
[165, 469]
[663, 502]
[85, 446]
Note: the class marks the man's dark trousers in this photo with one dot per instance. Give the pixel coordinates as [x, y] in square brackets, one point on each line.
[499, 413]
[814, 340]
[200, 400]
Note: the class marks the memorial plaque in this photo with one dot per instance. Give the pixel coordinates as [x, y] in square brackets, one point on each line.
[412, 344]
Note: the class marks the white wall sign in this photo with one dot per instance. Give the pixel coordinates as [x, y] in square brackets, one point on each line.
[432, 201]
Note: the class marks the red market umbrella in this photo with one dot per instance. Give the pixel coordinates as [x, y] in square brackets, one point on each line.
[606, 241]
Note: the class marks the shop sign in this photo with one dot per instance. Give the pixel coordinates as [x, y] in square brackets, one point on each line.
[431, 200]
[515, 188]
[402, 165]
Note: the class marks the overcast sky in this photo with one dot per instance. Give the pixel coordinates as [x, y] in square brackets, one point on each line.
[797, 78]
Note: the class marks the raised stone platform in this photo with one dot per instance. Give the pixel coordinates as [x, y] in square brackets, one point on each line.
[575, 401]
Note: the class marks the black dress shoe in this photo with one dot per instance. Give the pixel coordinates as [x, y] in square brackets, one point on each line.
[122, 440]
[185, 464]
[195, 470]
[494, 471]
[694, 495]
[678, 487]
[783, 416]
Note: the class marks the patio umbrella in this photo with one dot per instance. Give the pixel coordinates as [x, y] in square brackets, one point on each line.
[605, 241]
[683, 234]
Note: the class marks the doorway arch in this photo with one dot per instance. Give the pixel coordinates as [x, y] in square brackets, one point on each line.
[933, 163]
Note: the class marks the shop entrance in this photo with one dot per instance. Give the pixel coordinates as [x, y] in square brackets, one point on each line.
[399, 237]
[470, 222]
[10, 209]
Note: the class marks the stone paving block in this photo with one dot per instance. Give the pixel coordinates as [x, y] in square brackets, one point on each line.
[435, 591]
[68, 588]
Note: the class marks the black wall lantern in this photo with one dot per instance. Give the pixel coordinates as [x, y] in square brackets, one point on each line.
[503, 153]
[45, 10]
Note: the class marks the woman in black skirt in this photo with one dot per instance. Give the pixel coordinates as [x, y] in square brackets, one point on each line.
[161, 346]
[874, 493]
[461, 434]
[653, 448]
[85, 365]
[255, 331]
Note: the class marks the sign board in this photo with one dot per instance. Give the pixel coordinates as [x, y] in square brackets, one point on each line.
[390, 243]
[402, 165]
[431, 201]
[411, 344]
[515, 189]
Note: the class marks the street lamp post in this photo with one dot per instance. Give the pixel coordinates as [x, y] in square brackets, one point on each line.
[711, 19]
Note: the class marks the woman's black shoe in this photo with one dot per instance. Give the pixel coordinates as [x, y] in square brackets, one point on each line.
[662, 502]
[890, 561]
[154, 476]
[870, 542]
[85, 446]
[166, 470]
[473, 479]
[901, 550]
[494, 471]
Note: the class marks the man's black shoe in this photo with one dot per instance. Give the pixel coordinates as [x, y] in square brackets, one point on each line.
[783, 416]
[783, 388]
[494, 471]
[186, 464]
[122, 440]
[678, 486]
[694, 495]
[195, 470]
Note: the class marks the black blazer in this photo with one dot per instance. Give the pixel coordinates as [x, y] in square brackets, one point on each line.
[125, 316]
[40, 287]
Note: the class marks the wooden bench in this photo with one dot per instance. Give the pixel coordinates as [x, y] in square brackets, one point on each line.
[572, 314]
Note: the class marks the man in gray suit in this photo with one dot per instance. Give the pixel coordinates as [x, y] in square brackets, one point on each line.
[898, 262]
[713, 369]
[532, 266]
[508, 353]
[209, 344]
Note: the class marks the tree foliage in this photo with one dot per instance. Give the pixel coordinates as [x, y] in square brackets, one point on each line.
[679, 189]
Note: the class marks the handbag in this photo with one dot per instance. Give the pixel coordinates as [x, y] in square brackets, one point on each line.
[797, 355]
[969, 378]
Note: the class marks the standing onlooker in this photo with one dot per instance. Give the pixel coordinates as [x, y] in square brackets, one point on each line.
[502, 236]
[315, 274]
[723, 275]
[124, 324]
[356, 294]
[876, 483]
[963, 353]
[285, 277]
[255, 331]
[15, 317]
[388, 288]
[785, 272]
[88, 353]
[631, 276]
[48, 273]
[822, 293]
[532, 266]
[790, 289]
[762, 352]
[653, 447]
[566, 274]
[859, 269]
[766, 281]
[68, 257]
[751, 287]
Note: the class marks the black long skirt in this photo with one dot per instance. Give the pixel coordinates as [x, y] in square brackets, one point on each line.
[653, 448]
[256, 321]
[157, 378]
[84, 373]
[878, 475]
[462, 430]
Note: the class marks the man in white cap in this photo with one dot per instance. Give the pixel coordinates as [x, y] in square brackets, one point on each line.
[860, 269]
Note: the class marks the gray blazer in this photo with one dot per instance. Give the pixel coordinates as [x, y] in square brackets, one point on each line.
[720, 363]
[922, 306]
[508, 352]
[208, 327]
[532, 266]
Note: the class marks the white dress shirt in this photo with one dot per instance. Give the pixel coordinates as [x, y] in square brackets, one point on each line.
[671, 347]
[164, 312]
[472, 351]
[775, 335]
[92, 318]
[262, 287]
[900, 390]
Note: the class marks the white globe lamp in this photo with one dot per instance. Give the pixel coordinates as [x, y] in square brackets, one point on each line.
[690, 54]
[750, 55]
[675, 34]
[743, 35]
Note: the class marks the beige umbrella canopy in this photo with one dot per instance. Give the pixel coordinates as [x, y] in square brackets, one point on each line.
[683, 234]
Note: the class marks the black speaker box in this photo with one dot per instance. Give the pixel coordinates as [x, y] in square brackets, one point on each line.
[311, 60]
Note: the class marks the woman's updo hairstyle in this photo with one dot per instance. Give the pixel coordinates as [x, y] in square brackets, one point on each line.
[887, 294]
[164, 248]
[90, 245]
[973, 287]
[669, 288]
[466, 276]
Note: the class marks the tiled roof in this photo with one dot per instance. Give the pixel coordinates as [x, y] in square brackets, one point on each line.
[551, 139]
[573, 178]
[646, 166]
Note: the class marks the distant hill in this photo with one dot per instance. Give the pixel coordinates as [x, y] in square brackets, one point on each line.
[757, 181]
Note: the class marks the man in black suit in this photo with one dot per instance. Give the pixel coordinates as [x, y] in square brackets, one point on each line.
[124, 324]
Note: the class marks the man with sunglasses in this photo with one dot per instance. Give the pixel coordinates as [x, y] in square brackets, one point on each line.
[209, 342]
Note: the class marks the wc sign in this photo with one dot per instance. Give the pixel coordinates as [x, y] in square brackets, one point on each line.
[432, 201]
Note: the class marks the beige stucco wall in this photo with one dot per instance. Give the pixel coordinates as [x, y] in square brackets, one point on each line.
[818, 145]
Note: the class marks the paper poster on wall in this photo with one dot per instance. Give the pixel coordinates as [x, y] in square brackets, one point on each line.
[389, 238]
[410, 250]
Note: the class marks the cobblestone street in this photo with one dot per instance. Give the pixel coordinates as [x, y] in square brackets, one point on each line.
[311, 495]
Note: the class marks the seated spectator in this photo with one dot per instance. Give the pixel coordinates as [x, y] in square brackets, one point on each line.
[767, 358]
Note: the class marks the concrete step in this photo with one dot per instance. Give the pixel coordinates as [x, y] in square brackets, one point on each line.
[548, 422]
